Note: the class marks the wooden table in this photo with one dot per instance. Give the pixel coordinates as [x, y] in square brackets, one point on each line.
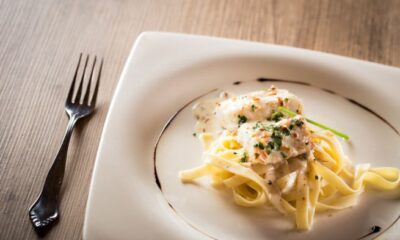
[39, 46]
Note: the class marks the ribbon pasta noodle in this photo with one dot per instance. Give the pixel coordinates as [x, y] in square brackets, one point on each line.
[267, 157]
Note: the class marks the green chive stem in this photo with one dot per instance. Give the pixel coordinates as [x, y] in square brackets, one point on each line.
[320, 125]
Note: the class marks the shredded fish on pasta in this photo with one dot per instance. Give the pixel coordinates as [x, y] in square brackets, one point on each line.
[268, 157]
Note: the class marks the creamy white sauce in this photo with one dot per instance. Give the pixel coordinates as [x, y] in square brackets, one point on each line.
[204, 112]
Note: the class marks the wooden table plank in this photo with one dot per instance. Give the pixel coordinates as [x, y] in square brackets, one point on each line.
[39, 46]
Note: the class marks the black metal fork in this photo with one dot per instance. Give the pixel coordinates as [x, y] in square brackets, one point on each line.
[45, 209]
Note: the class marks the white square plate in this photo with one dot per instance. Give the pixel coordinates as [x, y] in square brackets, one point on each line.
[166, 71]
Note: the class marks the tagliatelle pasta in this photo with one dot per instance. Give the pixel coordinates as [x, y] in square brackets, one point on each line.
[274, 158]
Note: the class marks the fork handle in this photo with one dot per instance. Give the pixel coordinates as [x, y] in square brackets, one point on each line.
[45, 209]
[55, 176]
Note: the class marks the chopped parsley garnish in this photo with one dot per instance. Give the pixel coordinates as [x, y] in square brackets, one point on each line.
[275, 142]
[266, 127]
[276, 138]
[298, 122]
[242, 119]
[258, 125]
[270, 146]
[253, 107]
[277, 116]
[283, 155]
[260, 145]
[194, 134]
[285, 131]
[286, 100]
[244, 158]
[235, 153]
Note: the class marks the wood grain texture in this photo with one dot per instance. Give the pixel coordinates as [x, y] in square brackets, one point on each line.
[39, 46]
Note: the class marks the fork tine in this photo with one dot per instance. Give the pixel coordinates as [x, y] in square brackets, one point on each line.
[71, 89]
[78, 93]
[96, 89]
[86, 98]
